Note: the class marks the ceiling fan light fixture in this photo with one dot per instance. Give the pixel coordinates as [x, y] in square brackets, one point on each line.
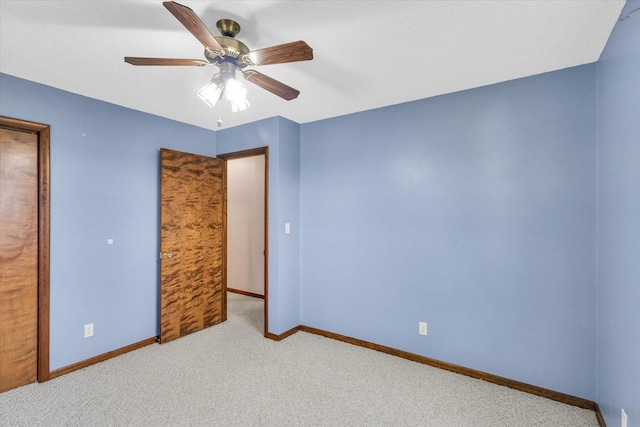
[236, 93]
[241, 106]
[233, 91]
[210, 94]
[231, 56]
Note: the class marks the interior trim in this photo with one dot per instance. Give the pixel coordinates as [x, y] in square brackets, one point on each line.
[43, 131]
[599, 415]
[244, 153]
[495, 379]
[241, 292]
[102, 357]
[284, 334]
[238, 155]
[517, 385]
[224, 241]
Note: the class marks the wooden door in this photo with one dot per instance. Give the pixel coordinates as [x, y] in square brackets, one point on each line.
[192, 288]
[18, 258]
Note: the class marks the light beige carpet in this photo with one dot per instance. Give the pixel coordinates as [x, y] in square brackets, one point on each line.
[230, 375]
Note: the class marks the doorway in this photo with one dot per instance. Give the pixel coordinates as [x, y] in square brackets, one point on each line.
[246, 236]
[24, 252]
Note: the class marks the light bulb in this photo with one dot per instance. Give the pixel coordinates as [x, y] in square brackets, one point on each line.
[236, 93]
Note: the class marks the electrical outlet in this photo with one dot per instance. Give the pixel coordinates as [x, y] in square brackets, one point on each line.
[623, 419]
[422, 328]
[88, 330]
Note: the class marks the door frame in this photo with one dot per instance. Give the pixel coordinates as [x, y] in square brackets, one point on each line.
[239, 155]
[43, 132]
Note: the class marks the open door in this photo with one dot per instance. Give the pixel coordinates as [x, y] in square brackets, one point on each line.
[192, 285]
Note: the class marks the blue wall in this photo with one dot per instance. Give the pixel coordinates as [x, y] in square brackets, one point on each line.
[289, 212]
[618, 360]
[283, 139]
[104, 185]
[474, 212]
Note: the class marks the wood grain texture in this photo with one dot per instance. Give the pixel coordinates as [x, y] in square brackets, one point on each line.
[43, 132]
[288, 52]
[136, 60]
[274, 86]
[192, 225]
[43, 252]
[18, 258]
[495, 379]
[248, 153]
[192, 22]
[102, 357]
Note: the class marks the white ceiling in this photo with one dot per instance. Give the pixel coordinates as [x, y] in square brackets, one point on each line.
[367, 54]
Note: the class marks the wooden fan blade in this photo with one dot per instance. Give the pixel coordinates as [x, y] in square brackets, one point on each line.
[272, 85]
[133, 60]
[289, 52]
[190, 20]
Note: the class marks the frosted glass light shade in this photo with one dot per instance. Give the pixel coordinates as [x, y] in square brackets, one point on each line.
[210, 94]
[235, 92]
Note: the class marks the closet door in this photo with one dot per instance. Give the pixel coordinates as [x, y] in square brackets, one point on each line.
[18, 258]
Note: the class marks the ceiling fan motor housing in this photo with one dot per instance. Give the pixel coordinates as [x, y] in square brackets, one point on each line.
[228, 68]
[232, 49]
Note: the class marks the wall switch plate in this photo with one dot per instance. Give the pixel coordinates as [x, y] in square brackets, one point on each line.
[287, 228]
[623, 419]
[88, 330]
[422, 328]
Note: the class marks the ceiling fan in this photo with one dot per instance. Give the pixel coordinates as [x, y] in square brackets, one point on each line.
[231, 56]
